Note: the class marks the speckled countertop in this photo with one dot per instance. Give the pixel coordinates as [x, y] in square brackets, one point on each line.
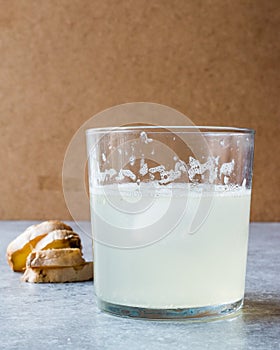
[58, 316]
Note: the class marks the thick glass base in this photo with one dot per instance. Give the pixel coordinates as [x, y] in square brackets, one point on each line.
[196, 313]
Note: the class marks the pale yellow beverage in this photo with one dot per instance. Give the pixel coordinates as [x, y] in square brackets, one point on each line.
[180, 269]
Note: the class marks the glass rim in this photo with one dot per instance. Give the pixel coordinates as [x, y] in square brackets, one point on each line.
[211, 130]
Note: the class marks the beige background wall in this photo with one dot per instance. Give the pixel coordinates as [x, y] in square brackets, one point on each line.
[62, 61]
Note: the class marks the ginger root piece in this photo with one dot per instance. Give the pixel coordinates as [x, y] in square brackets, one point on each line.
[59, 239]
[20, 248]
[55, 258]
[83, 272]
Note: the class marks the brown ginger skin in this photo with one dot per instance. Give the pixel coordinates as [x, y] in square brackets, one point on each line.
[21, 247]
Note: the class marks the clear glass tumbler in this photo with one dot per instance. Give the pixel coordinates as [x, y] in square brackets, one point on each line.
[170, 213]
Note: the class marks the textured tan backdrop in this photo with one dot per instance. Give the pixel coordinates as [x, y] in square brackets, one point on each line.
[62, 61]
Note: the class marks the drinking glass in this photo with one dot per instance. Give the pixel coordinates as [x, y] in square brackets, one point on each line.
[170, 210]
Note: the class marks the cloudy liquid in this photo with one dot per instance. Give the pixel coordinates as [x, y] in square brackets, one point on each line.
[178, 269]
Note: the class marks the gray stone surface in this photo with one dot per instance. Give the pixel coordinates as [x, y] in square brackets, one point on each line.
[58, 316]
